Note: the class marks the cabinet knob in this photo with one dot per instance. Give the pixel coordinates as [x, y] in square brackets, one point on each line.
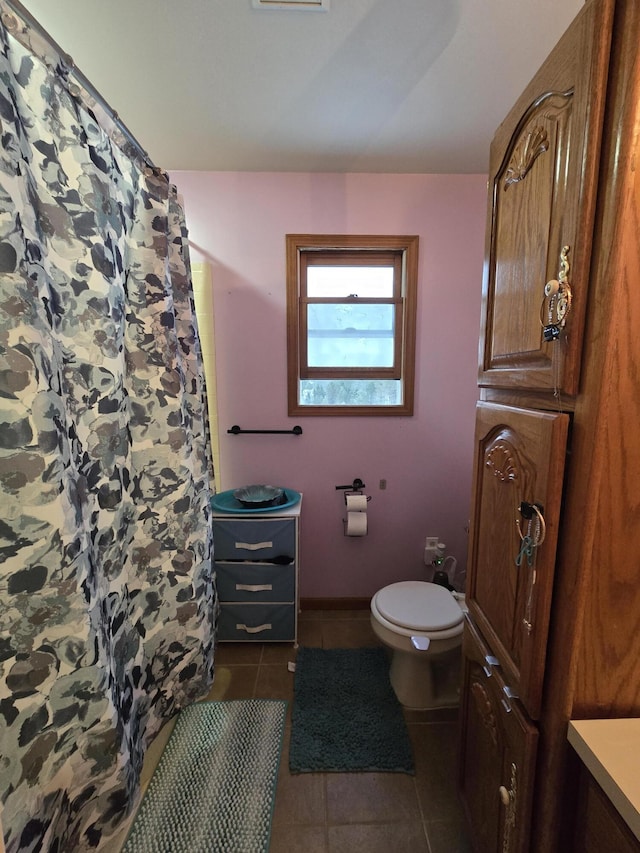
[505, 796]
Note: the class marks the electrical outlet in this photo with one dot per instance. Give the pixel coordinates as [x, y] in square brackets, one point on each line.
[383, 484]
[431, 543]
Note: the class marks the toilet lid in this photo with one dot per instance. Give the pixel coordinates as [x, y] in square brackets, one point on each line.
[419, 605]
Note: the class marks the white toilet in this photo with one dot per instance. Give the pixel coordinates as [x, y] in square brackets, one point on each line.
[422, 624]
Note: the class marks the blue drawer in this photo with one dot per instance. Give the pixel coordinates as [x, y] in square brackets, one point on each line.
[254, 539]
[255, 582]
[257, 622]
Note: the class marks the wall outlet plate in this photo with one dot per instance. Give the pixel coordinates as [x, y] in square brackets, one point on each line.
[431, 543]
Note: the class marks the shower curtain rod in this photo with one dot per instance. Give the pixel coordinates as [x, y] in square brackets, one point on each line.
[80, 78]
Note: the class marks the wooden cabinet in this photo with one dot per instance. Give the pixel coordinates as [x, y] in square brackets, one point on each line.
[499, 748]
[598, 826]
[603, 768]
[256, 563]
[558, 429]
[543, 174]
[519, 459]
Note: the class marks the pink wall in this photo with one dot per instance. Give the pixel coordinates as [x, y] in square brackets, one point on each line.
[238, 222]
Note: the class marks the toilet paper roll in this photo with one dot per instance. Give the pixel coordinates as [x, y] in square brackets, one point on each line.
[356, 524]
[356, 502]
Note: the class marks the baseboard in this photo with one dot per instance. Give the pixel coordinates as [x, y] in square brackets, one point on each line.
[335, 603]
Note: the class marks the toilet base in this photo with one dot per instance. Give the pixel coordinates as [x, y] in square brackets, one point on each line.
[426, 685]
[423, 681]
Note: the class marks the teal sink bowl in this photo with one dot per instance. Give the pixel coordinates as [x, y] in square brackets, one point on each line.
[228, 502]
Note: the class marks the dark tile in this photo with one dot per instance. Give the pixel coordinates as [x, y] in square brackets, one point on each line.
[278, 653]
[448, 837]
[435, 749]
[349, 634]
[363, 614]
[234, 682]
[292, 839]
[310, 634]
[237, 653]
[274, 682]
[366, 797]
[300, 797]
[311, 615]
[378, 838]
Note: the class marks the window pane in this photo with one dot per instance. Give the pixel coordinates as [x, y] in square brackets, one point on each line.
[350, 392]
[366, 282]
[351, 317]
[352, 335]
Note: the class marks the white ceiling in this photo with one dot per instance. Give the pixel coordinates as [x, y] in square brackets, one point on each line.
[368, 86]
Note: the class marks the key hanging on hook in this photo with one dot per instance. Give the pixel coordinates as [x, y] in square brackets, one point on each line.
[535, 533]
[532, 539]
[526, 550]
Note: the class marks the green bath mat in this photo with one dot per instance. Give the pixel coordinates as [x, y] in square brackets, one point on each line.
[214, 788]
[345, 715]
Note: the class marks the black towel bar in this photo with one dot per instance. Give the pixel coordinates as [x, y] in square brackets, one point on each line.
[236, 430]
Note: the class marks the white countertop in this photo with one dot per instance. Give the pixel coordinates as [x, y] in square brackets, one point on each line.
[611, 751]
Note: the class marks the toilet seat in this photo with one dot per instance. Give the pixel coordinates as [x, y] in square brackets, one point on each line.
[410, 607]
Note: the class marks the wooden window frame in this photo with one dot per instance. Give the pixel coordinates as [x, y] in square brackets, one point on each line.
[302, 251]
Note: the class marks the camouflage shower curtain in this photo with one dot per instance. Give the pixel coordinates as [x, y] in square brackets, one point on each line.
[107, 605]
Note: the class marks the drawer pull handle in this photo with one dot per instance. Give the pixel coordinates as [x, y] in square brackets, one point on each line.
[254, 587]
[491, 661]
[510, 694]
[253, 546]
[256, 630]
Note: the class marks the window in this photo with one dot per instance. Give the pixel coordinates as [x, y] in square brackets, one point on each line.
[351, 317]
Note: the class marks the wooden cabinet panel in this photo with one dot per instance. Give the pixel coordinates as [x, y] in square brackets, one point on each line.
[519, 457]
[598, 825]
[498, 750]
[542, 191]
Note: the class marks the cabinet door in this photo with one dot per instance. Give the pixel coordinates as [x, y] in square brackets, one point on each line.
[519, 461]
[497, 757]
[542, 187]
[598, 825]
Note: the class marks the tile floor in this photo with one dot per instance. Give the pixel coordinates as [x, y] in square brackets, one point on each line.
[336, 812]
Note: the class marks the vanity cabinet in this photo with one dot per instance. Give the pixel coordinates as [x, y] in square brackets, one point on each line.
[499, 746]
[256, 559]
[554, 633]
[598, 824]
[604, 773]
[519, 463]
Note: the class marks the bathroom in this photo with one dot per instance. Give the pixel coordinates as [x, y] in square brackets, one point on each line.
[417, 469]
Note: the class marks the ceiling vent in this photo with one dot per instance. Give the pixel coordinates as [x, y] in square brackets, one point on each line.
[300, 5]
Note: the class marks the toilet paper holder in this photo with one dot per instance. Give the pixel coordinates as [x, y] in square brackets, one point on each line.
[355, 524]
[355, 488]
